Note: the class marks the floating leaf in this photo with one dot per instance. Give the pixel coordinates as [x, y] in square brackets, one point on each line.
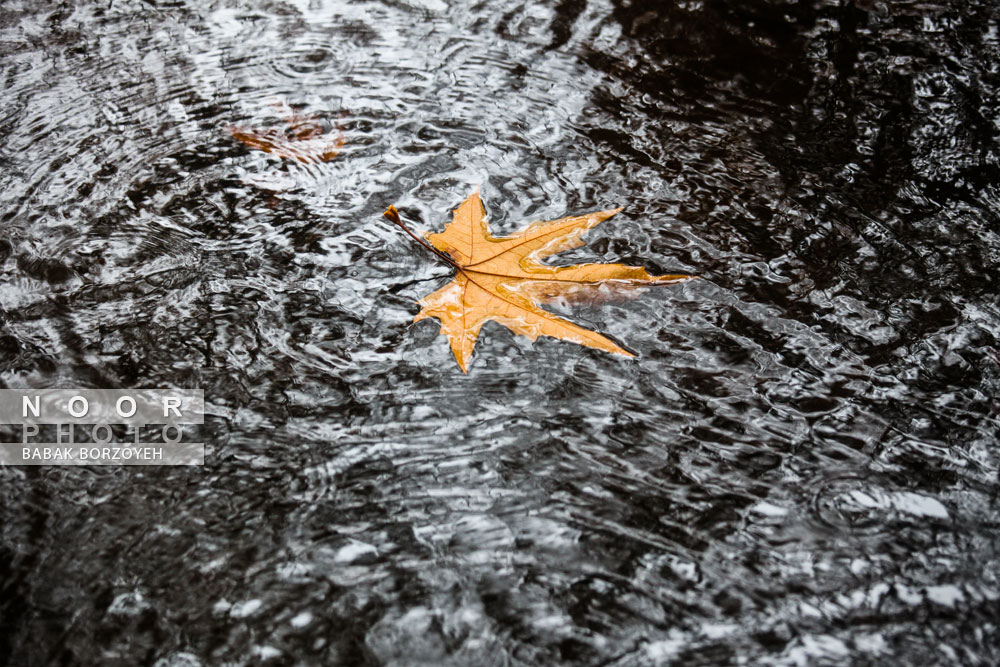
[503, 279]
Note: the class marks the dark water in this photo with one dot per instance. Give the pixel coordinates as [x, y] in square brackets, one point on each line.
[799, 468]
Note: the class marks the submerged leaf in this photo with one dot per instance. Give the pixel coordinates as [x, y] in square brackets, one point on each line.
[303, 139]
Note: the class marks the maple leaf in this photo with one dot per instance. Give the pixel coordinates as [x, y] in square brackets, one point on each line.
[303, 140]
[503, 279]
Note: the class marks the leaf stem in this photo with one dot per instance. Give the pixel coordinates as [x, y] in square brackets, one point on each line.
[392, 214]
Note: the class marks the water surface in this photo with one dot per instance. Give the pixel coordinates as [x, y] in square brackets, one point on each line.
[798, 468]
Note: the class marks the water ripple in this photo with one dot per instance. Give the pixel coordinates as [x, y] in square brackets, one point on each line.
[798, 467]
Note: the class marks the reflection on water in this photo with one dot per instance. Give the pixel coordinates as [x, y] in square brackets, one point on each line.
[799, 468]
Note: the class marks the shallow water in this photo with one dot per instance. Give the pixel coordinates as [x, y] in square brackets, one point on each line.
[799, 467]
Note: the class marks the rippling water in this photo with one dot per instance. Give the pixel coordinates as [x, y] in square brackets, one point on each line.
[799, 467]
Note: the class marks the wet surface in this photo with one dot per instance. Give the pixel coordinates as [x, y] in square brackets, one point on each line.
[800, 467]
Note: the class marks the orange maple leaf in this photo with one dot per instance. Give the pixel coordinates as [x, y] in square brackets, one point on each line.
[303, 140]
[503, 279]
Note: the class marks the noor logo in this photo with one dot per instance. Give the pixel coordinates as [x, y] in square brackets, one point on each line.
[75, 426]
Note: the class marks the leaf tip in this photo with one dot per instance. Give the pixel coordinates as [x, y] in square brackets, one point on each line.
[392, 214]
[461, 358]
[601, 216]
[619, 350]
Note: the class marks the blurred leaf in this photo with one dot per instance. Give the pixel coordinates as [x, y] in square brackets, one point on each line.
[303, 139]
